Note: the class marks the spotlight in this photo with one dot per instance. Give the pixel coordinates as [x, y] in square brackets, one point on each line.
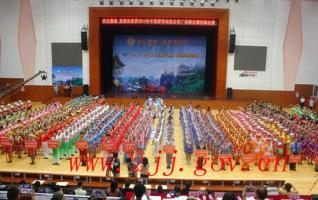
[202, 3]
[121, 2]
[101, 2]
[236, 1]
[161, 2]
[111, 2]
[141, 2]
[131, 2]
[213, 3]
[227, 1]
[181, 3]
[171, 2]
[192, 2]
[151, 2]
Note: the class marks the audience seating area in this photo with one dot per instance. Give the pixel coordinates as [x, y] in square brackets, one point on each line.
[90, 183]
[104, 182]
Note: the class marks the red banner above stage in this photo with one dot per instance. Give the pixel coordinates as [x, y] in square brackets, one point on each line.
[158, 21]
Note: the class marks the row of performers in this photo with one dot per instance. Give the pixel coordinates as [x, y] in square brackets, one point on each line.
[301, 130]
[234, 134]
[100, 123]
[13, 110]
[45, 125]
[163, 135]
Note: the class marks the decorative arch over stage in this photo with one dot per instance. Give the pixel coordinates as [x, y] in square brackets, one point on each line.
[158, 16]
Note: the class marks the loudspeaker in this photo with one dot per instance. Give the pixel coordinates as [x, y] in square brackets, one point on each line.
[85, 90]
[229, 94]
[232, 43]
[84, 39]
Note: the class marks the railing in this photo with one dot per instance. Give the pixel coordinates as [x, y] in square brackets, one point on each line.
[95, 181]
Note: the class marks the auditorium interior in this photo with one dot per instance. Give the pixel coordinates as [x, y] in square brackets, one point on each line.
[158, 99]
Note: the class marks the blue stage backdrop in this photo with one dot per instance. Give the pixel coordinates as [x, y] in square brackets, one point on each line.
[152, 63]
[67, 74]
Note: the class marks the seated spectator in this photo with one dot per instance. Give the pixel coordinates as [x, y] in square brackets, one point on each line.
[50, 187]
[185, 190]
[127, 192]
[13, 193]
[248, 190]
[177, 191]
[113, 191]
[159, 192]
[92, 198]
[57, 189]
[79, 190]
[287, 188]
[58, 196]
[22, 182]
[140, 192]
[37, 187]
[228, 196]
[57, 193]
[261, 193]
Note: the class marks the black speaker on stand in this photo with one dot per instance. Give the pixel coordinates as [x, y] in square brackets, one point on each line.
[85, 90]
[84, 38]
[229, 93]
[232, 41]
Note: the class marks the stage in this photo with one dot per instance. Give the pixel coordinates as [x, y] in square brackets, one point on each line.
[302, 179]
[176, 100]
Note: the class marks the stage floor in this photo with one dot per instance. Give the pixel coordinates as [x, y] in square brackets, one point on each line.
[303, 179]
